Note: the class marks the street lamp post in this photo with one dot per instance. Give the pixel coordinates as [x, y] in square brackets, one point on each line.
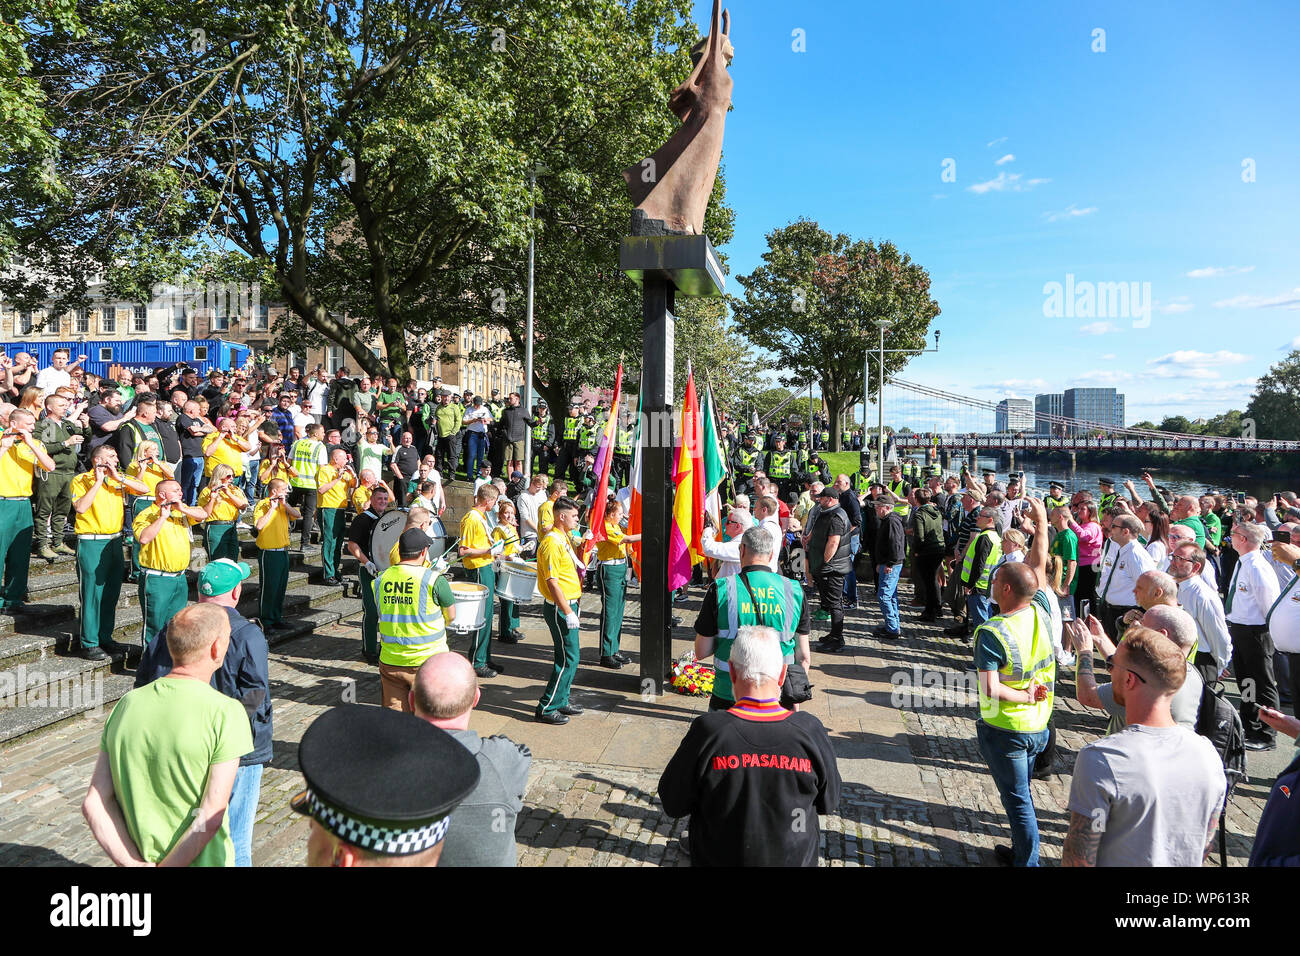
[527, 395]
[880, 393]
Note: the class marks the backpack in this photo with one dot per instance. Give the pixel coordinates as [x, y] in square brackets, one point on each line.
[1218, 722]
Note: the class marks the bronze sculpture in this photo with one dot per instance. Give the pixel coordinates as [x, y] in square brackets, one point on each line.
[671, 188]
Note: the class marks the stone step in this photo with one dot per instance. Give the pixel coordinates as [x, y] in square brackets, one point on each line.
[38, 696]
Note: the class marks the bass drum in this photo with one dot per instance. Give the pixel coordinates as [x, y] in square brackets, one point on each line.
[438, 532]
[387, 530]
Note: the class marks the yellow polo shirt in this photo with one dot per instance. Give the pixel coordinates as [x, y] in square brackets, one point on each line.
[225, 509]
[555, 560]
[474, 534]
[611, 549]
[150, 476]
[106, 512]
[170, 550]
[336, 497]
[276, 533]
[507, 534]
[271, 469]
[545, 515]
[221, 451]
[17, 466]
[361, 499]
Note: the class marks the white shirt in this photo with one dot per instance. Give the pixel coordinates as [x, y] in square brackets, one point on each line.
[316, 393]
[1253, 590]
[49, 379]
[1203, 603]
[1208, 574]
[727, 552]
[773, 526]
[477, 418]
[301, 420]
[1120, 569]
[528, 505]
[1284, 619]
[1159, 552]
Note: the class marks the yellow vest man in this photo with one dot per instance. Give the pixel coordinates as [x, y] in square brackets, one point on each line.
[163, 530]
[557, 579]
[20, 456]
[410, 596]
[335, 483]
[476, 551]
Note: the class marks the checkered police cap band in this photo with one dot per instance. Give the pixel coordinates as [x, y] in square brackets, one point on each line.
[368, 836]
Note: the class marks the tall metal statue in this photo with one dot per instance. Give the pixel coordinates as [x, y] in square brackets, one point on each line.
[671, 187]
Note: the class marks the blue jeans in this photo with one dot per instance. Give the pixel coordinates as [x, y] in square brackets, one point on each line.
[887, 595]
[477, 453]
[851, 579]
[978, 610]
[191, 473]
[243, 811]
[1010, 756]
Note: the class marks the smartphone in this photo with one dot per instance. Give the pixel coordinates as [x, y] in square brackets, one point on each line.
[1085, 609]
[1241, 498]
[1067, 613]
[1282, 537]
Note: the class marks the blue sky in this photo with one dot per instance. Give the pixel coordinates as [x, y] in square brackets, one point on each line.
[1122, 166]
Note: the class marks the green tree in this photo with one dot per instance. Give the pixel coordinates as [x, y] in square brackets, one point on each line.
[1179, 424]
[370, 163]
[817, 303]
[1274, 409]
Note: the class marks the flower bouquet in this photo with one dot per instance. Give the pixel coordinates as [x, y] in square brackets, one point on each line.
[692, 678]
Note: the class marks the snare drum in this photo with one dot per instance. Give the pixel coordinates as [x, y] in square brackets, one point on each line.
[471, 607]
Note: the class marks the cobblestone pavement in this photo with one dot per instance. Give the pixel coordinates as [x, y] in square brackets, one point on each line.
[916, 791]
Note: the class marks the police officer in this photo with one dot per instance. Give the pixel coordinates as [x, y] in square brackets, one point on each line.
[543, 449]
[900, 489]
[780, 465]
[363, 526]
[746, 462]
[380, 787]
[495, 405]
[624, 445]
[307, 455]
[410, 596]
[1056, 497]
[587, 434]
[568, 442]
[862, 480]
[1108, 496]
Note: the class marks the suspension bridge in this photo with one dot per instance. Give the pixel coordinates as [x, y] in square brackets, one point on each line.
[965, 425]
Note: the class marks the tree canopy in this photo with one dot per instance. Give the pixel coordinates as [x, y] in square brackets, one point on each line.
[817, 303]
[1275, 406]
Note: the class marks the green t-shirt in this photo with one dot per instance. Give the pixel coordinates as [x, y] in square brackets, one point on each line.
[1066, 547]
[1193, 522]
[161, 740]
[372, 457]
[395, 413]
[364, 402]
[1213, 528]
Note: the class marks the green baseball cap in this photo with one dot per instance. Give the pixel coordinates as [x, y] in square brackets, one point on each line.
[222, 576]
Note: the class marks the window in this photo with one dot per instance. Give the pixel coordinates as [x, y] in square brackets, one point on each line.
[200, 353]
[139, 319]
[105, 354]
[80, 322]
[180, 321]
[464, 340]
[333, 358]
[220, 321]
[290, 361]
[108, 320]
[261, 318]
[23, 322]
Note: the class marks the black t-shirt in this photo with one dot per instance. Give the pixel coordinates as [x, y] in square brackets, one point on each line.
[99, 415]
[407, 461]
[829, 523]
[191, 445]
[753, 787]
[363, 525]
[707, 622]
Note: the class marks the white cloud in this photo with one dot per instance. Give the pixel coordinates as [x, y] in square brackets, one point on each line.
[1176, 307]
[1006, 182]
[1193, 358]
[1212, 272]
[1289, 300]
[992, 143]
[1098, 328]
[1071, 211]
[1008, 158]
[1103, 376]
[1191, 371]
[1295, 343]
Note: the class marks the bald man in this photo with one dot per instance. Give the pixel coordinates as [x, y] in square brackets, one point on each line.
[482, 831]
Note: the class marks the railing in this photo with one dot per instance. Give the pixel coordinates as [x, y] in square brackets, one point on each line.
[1020, 442]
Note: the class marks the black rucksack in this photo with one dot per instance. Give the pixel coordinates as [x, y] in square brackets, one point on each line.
[1218, 721]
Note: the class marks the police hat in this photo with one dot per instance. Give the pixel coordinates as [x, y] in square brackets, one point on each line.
[1106, 481]
[1055, 484]
[381, 780]
[412, 542]
[541, 403]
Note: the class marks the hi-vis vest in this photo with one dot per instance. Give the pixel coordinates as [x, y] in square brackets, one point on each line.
[995, 552]
[1107, 501]
[305, 461]
[1027, 646]
[1053, 503]
[862, 482]
[747, 459]
[775, 595]
[586, 438]
[539, 430]
[779, 464]
[623, 445]
[571, 428]
[407, 615]
[897, 488]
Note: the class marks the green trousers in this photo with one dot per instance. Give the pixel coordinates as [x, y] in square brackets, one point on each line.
[613, 591]
[15, 548]
[99, 585]
[370, 615]
[480, 649]
[137, 505]
[509, 620]
[53, 502]
[273, 578]
[223, 540]
[161, 596]
[565, 641]
[333, 528]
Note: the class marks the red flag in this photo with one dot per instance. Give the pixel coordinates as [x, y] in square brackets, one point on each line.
[596, 518]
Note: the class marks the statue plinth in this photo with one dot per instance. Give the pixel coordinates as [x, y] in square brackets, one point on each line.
[690, 263]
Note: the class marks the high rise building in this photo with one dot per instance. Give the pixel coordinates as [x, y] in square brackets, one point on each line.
[1014, 415]
[1048, 404]
[1102, 406]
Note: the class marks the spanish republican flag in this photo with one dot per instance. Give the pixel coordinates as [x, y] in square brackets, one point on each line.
[604, 458]
[634, 504]
[687, 528]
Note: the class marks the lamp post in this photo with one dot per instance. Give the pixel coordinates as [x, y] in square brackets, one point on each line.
[880, 395]
[527, 395]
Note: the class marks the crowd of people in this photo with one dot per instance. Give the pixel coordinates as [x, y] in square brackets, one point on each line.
[1173, 592]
